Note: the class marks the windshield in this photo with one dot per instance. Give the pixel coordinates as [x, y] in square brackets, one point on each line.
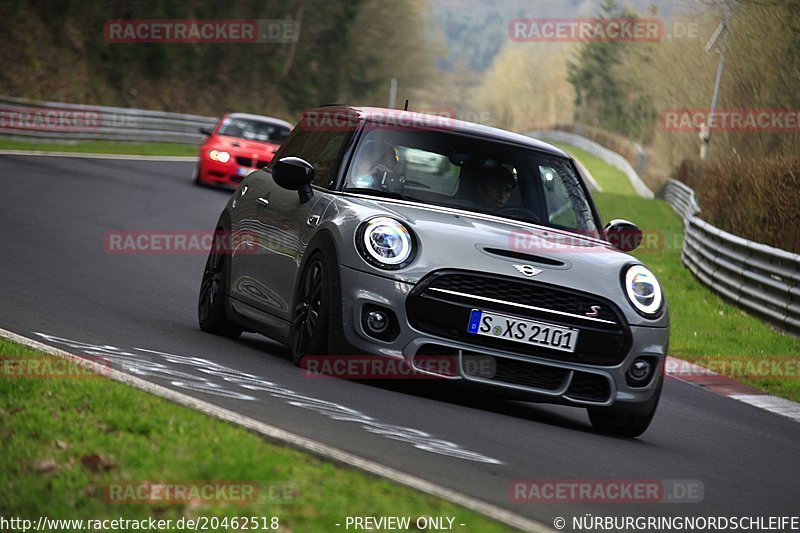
[470, 173]
[253, 130]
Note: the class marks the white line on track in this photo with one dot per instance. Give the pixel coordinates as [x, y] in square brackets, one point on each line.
[284, 437]
[773, 404]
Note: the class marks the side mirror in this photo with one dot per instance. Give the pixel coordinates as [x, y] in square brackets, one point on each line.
[205, 131]
[294, 174]
[623, 235]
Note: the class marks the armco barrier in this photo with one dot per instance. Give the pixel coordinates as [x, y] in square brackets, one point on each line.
[24, 118]
[609, 156]
[762, 279]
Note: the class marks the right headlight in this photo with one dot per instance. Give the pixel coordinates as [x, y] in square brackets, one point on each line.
[643, 291]
[385, 243]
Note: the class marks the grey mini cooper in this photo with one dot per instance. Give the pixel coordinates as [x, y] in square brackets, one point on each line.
[409, 237]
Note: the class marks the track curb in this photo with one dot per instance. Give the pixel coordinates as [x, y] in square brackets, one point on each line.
[725, 386]
[281, 436]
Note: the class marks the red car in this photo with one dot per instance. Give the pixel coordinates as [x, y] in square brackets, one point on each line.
[239, 144]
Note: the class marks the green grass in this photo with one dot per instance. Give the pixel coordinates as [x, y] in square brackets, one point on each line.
[49, 427]
[705, 328]
[611, 180]
[103, 147]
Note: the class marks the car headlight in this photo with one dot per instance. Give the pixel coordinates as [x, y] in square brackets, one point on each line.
[222, 157]
[385, 243]
[643, 291]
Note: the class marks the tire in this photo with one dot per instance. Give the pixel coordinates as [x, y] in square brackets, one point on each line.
[311, 319]
[196, 176]
[211, 303]
[624, 423]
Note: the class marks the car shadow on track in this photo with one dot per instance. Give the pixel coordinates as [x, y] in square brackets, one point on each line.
[446, 392]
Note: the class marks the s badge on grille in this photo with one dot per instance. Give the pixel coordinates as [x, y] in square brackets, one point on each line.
[527, 270]
[595, 311]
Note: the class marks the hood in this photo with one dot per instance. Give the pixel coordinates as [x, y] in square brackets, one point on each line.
[244, 147]
[454, 239]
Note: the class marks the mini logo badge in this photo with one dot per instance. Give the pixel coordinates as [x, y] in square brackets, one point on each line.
[595, 311]
[527, 270]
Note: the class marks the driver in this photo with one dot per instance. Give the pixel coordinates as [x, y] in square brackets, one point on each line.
[495, 187]
[375, 164]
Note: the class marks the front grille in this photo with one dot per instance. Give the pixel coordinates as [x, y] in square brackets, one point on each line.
[244, 161]
[584, 386]
[522, 292]
[589, 387]
[446, 315]
[516, 372]
[436, 349]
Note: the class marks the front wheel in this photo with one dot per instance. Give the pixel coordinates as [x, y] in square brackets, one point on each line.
[624, 423]
[311, 317]
[211, 313]
[196, 176]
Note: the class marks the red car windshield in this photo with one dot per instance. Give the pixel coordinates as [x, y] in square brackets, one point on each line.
[253, 130]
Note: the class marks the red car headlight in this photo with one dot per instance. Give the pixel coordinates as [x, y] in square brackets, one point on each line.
[218, 155]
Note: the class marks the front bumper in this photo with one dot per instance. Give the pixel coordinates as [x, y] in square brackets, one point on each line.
[227, 175]
[536, 377]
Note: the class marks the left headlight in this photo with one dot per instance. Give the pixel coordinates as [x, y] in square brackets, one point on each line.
[643, 291]
[222, 157]
[385, 243]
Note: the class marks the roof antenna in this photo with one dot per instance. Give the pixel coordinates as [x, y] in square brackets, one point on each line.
[406, 107]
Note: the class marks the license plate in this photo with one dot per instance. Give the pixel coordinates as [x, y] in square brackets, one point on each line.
[521, 330]
[244, 171]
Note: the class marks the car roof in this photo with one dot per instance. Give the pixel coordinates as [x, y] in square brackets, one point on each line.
[425, 121]
[271, 120]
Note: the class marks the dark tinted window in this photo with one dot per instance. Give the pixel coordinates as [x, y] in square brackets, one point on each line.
[323, 149]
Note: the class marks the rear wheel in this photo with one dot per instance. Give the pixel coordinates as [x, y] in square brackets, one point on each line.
[211, 312]
[311, 312]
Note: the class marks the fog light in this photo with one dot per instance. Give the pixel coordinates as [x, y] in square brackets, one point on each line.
[377, 322]
[639, 372]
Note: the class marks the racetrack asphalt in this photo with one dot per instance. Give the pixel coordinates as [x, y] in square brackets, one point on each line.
[58, 279]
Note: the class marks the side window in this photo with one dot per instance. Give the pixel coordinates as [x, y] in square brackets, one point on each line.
[292, 145]
[323, 149]
[559, 205]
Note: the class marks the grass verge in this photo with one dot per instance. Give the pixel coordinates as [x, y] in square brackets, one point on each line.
[611, 180]
[69, 440]
[103, 147]
[705, 328]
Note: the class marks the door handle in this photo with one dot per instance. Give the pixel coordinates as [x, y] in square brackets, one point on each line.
[263, 201]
